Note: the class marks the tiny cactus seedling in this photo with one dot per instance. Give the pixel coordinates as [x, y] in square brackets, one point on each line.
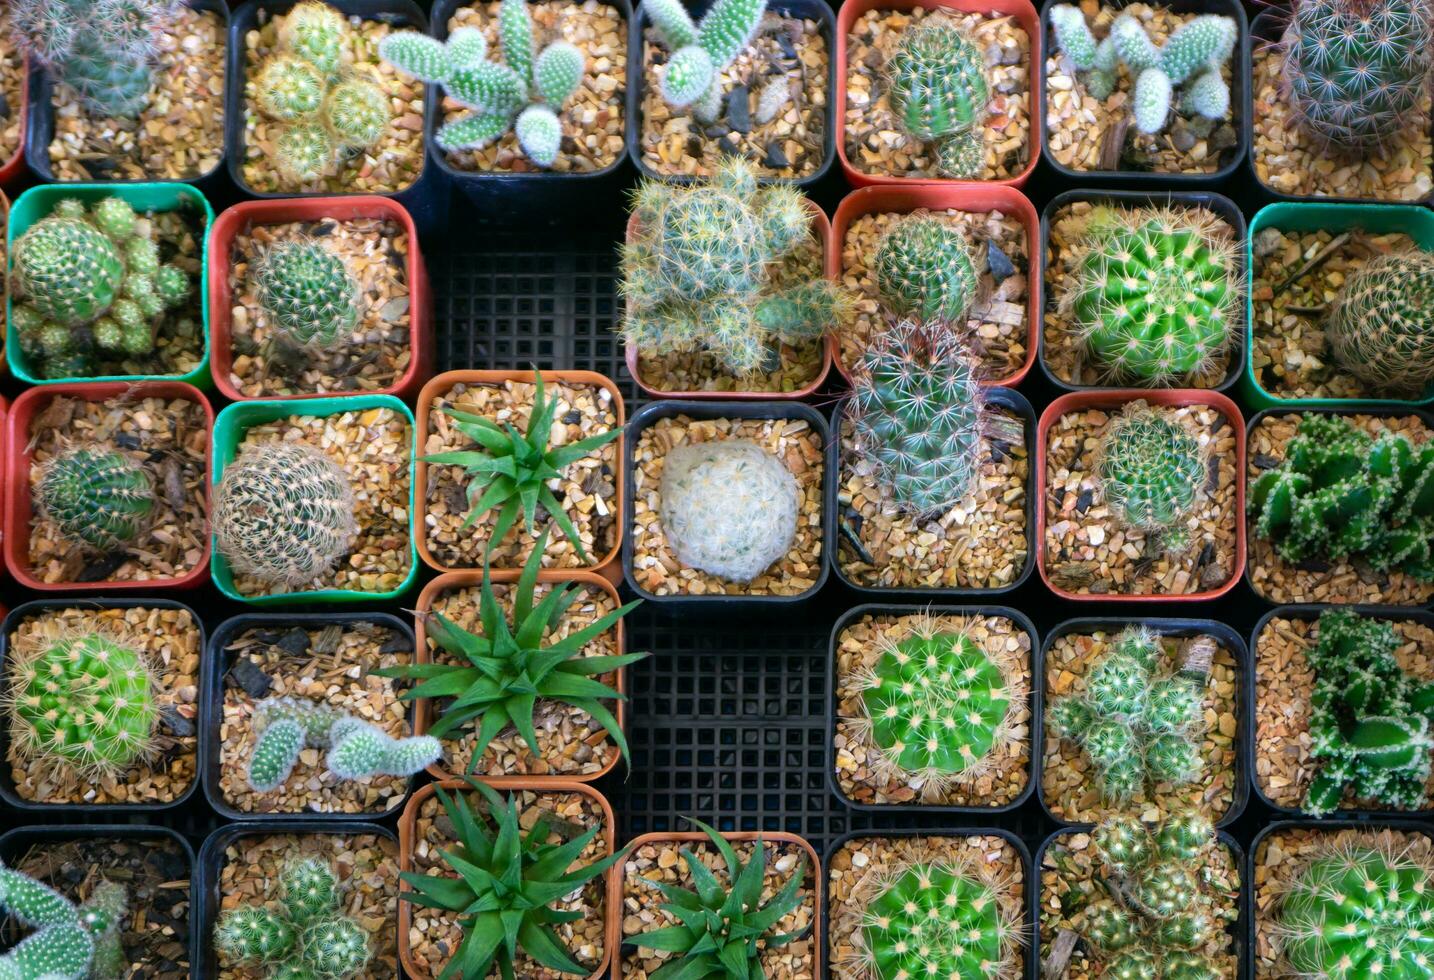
[1380, 327]
[924, 269]
[98, 498]
[699, 53]
[303, 936]
[308, 292]
[1151, 470]
[356, 749]
[936, 84]
[67, 943]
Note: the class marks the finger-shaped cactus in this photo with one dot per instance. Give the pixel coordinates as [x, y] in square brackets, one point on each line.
[426, 58]
[924, 268]
[689, 75]
[1133, 46]
[471, 132]
[1150, 104]
[276, 750]
[1381, 325]
[308, 292]
[1073, 36]
[515, 36]
[365, 750]
[699, 52]
[1202, 42]
[672, 22]
[1207, 95]
[1151, 470]
[96, 497]
[937, 920]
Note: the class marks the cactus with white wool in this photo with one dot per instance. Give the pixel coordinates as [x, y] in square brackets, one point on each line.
[698, 53]
[66, 942]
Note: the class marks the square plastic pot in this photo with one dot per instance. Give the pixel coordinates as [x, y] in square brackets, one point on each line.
[648, 415]
[1221, 206]
[1025, 15]
[955, 196]
[249, 214]
[38, 202]
[19, 457]
[229, 433]
[1114, 399]
[8, 793]
[1318, 215]
[217, 662]
[1033, 699]
[1171, 627]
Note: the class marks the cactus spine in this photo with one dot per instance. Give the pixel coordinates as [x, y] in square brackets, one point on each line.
[924, 269]
[936, 84]
[699, 53]
[1151, 470]
[67, 943]
[356, 749]
[307, 936]
[308, 292]
[98, 498]
[1381, 325]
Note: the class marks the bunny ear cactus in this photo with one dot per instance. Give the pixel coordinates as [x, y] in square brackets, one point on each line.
[1380, 327]
[699, 53]
[1151, 470]
[936, 84]
[67, 943]
[356, 749]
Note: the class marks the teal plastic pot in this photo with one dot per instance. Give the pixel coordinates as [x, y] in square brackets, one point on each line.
[39, 202]
[1378, 219]
[229, 430]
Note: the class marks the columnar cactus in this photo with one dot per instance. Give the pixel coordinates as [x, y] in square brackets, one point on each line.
[1152, 470]
[308, 292]
[356, 749]
[924, 269]
[283, 513]
[365, 750]
[699, 53]
[1380, 327]
[67, 943]
[936, 84]
[306, 937]
[97, 498]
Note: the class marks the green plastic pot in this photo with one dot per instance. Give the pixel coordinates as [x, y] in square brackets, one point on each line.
[1379, 219]
[229, 429]
[39, 202]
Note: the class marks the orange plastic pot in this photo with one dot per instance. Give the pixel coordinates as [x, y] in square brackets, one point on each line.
[14, 168]
[1030, 21]
[285, 210]
[1112, 399]
[472, 579]
[407, 831]
[822, 228]
[910, 197]
[18, 459]
[608, 565]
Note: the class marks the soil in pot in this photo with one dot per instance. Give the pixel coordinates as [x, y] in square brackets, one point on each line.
[168, 440]
[661, 861]
[168, 640]
[1351, 580]
[1070, 786]
[155, 872]
[332, 665]
[656, 567]
[997, 331]
[788, 145]
[12, 86]
[875, 142]
[377, 350]
[592, 119]
[863, 770]
[588, 486]
[434, 934]
[1284, 685]
[367, 869]
[857, 870]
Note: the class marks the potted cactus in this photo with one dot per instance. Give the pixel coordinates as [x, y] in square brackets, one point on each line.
[1340, 100]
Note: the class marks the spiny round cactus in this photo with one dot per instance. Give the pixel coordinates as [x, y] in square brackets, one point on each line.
[1151, 470]
[936, 84]
[304, 151]
[1117, 686]
[315, 32]
[1108, 926]
[96, 497]
[1173, 706]
[289, 88]
[308, 292]
[68, 269]
[1381, 325]
[938, 920]
[309, 890]
[283, 514]
[1124, 843]
[254, 933]
[1184, 835]
[335, 947]
[357, 112]
[924, 268]
[305, 938]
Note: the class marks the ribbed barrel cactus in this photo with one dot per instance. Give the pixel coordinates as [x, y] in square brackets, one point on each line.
[66, 942]
[97, 497]
[699, 53]
[304, 935]
[939, 920]
[308, 292]
[1152, 471]
[924, 269]
[936, 84]
[1380, 327]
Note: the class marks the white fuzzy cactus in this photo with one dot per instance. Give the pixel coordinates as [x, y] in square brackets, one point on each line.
[1073, 35]
[699, 52]
[1207, 96]
[360, 750]
[1151, 105]
[356, 749]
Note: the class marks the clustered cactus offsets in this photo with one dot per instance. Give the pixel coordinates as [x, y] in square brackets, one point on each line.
[936, 84]
[89, 287]
[699, 53]
[1380, 327]
[1152, 471]
[302, 935]
[66, 942]
[99, 499]
[310, 295]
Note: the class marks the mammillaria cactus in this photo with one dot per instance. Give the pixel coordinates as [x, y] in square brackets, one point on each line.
[308, 291]
[924, 269]
[936, 84]
[531, 87]
[1151, 471]
[699, 53]
[1380, 327]
[727, 507]
[67, 943]
[99, 498]
[356, 749]
[283, 513]
[316, 33]
[1156, 296]
[305, 936]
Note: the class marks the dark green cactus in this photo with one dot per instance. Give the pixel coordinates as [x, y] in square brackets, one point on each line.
[936, 84]
[96, 497]
[1380, 327]
[303, 935]
[924, 269]
[938, 920]
[308, 291]
[1152, 471]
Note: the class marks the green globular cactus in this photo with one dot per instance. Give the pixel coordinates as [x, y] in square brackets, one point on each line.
[309, 891]
[304, 151]
[283, 514]
[335, 947]
[306, 937]
[254, 933]
[365, 750]
[936, 84]
[1151, 469]
[1380, 327]
[1341, 494]
[308, 292]
[357, 113]
[96, 497]
[289, 88]
[924, 268]
[699, 53]
[67, 943]
[315, 32]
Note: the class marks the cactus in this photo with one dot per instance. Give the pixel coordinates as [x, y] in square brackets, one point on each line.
[306, 937]
[308, 293]
[924, 269]
[255, 934]
[96, 497]
[1341, 493]
[315, 33]
[727, 507]
[918, 416]
[936, 84]
[275, 752]
[1380, 327]
[1156, 296]
[1136, 721]
[288, 89]
[534, 88]
[283, 513]
[304, 151]
[1355, 71]
[308, 889]
[365, 750]
[1151, 470]
[335, 947]
[357, 113]
[67, 943]
[356, 749]
[699, 53]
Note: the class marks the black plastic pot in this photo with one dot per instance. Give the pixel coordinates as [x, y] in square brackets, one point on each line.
[1029, 904]
[1006, 398]
[1033, 699]
[40, 124]
[804, 9]
[217, 661]
[1221, 206]
[1177, 627]
[7, 783]
[1252, 709]
[649, 414]
[1239, 105]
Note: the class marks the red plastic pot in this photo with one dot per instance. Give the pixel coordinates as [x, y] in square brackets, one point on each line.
[285, 210]
[18, 458]
[1030, 22]
[942, 197]
[1112, 399]
[14, 168]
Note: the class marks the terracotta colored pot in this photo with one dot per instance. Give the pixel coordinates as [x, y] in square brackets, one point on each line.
[407, 828]
[473, 579]
[280, 211]
[943, 197]
[14, 168]
[18, 458]
[1030, 22]
[1114, 399]
[822, 228]
[817, 882]
[608, 565]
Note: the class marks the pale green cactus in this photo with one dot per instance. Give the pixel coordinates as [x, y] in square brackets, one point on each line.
[306, 937]
[700, 52]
